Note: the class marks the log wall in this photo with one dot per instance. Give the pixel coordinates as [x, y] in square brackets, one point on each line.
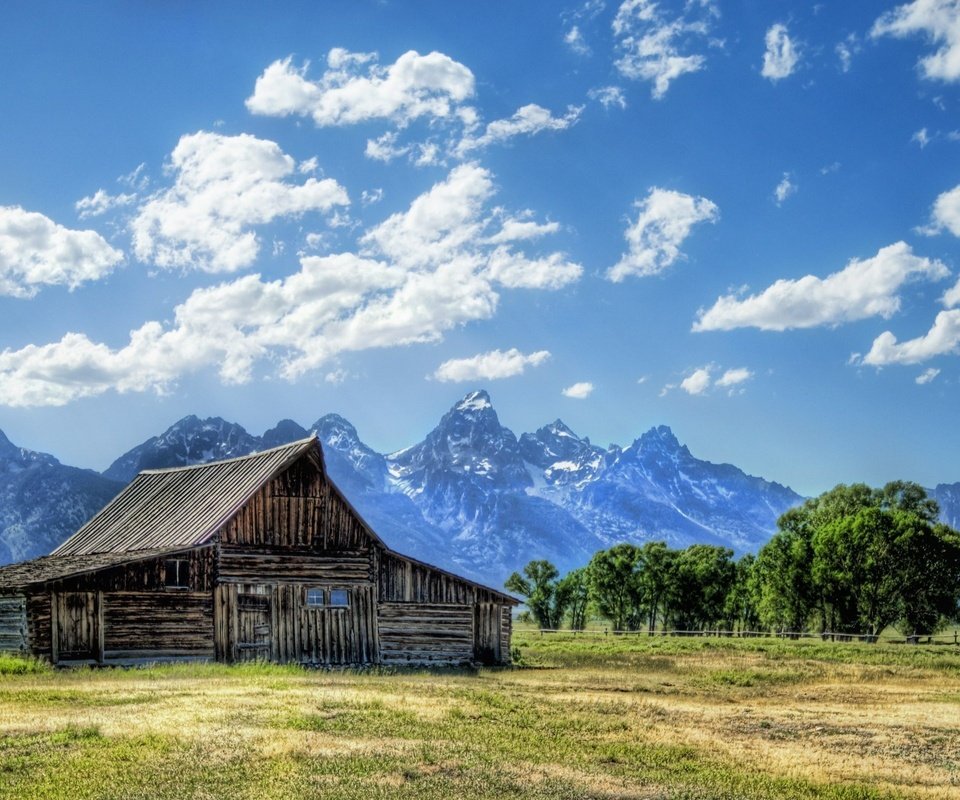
[157, 625]
[13, 624]
[423, 633]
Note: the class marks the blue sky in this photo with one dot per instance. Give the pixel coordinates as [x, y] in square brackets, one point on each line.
[739, 219]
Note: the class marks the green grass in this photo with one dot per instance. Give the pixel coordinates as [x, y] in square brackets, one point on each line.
[600, 717]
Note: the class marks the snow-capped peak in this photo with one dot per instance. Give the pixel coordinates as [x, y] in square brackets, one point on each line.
[475, 401]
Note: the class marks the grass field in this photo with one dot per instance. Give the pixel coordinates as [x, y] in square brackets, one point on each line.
[581, 718]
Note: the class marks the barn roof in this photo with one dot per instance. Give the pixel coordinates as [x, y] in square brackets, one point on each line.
[181, 507]
[51, 568]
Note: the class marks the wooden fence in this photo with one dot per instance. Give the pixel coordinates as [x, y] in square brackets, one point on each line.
[950, 638]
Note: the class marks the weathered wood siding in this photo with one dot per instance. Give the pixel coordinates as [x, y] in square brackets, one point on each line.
[13, 624]
[423, 633]
[38, 619]
[273, 622]
[77, 626]
[151, 625]
[405, 580]
[145, 575]
[274, 564]
[298, 509]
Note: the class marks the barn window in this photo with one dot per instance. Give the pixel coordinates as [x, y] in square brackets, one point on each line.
[176, 573]
[315, 598]
[339, 597]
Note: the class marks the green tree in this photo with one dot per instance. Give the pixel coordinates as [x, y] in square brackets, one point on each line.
[574, 592]
[786, 596]
[538, 586]
[740, 606]
[657, 580]
[615, 585]
[703, 578]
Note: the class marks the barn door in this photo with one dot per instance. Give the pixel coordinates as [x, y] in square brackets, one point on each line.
[78, 626]
[254, 622]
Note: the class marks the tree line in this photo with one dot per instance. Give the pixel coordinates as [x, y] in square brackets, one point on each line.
[854, 560]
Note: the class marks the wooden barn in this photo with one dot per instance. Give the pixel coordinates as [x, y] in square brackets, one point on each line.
[259, 557]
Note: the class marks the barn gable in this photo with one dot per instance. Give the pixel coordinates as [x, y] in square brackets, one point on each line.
[258, 557]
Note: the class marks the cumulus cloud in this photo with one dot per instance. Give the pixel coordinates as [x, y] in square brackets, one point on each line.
[864, 288]
[356, 88]
[734, 377]
[417, 274]
[100, 202]
[951, 297]
[664, 220]
[656, 47]
[784, 189]
[936, 20]
[608, 96]
[579, 391]
[697, 382]
[945, 214]
[781, 56]
[700, 381]
[493, 365]
[526, 121]
[223, 187]
[927, 376]
[942, 339]
[35, 251]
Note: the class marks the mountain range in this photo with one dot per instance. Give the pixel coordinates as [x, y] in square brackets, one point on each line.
[471, 497]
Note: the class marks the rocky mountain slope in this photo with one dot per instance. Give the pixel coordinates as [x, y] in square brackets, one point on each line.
[471, 496]
[42, 502]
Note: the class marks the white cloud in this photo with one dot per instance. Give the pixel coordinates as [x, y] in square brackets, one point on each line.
[385, 148]
[336, 377]
[418, 274]
[356, 88]
[137, 179]
[100, 202]
[942, 339]
[608, 96]
[921, 137]
[575, 41]
[664, 221]
[938, 21]
[368, 198]
[526, 121]
[653, 45]
[784, 189]
[862, 289]
[514, 229]
[579, 391]
[927, 376]
[951, 297]
[846, 50]
[781, 56]
[224, 186]
[493, 365]
[35, 251]
[308, 166]
[734, 377]
[945, 214]
[697, 382]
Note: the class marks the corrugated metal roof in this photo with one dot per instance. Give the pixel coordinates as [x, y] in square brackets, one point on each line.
[180, 507]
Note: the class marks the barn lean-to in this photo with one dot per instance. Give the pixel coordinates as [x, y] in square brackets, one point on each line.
[259, 557]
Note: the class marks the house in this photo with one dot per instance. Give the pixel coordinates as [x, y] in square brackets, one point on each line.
[259, 557]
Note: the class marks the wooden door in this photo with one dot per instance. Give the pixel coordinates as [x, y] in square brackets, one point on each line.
[78, 626]
[254, 623]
